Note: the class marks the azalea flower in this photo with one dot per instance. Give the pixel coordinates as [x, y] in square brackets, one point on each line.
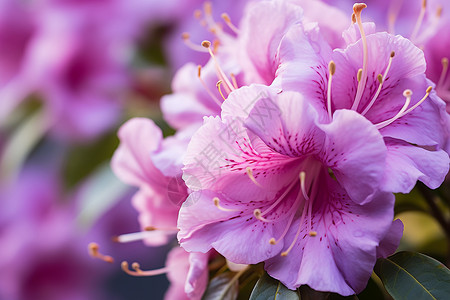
[279, 186]
[152, 164]
[382, 77]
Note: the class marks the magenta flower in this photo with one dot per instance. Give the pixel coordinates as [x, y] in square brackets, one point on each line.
[278, 186]
[381, 77]
[160, 192]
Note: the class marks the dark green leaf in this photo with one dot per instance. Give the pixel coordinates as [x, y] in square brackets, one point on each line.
[268, 288]
[222, 287]
[409, 275]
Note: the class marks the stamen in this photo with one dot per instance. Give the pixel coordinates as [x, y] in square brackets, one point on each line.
[228, 86]
[216, 201]
[302, 185]
[197, 14]
[252, 178]
[227, 20]
[331, 70]
[444, 72]
[94, 252]
[357, 8]
[407, 94]
[207, 7]
[439, 11]
[233, 79]
[257, 214]
[428, 91]
[381, 79]
[419, 20]
[292, 210]
[215, 45]
[186, 38]
[210, 93]
[297, 234]
[220, 91]
[138, 272]
[312, 233]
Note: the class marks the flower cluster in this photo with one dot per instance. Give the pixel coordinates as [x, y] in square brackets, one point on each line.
[290, 143]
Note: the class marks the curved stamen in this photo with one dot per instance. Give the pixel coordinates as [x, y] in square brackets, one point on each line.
[227, 20]
[94, 252]
[228, 86]
[428, 91]
[381, 81]
[220, 90]
[331, 71]
[257, 214]
[407, 94]
[252, 178]
[138, 272]
[357, 9]
[419, 20]
[187, 41]
[216, 201]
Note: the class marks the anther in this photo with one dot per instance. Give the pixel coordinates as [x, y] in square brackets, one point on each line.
[380, 78]
[138, 272]
[207, 7]
[206, 44]
[249, 172]
[331, 70]
[353, 18]
[312, 233]
[359, 75]
[216, 202]
[94, 252]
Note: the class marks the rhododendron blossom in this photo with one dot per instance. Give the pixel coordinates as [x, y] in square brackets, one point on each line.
[380, 76]
[278, 186]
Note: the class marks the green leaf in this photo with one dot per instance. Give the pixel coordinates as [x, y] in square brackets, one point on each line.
[409, 275]
[222, 287]
[268, 288]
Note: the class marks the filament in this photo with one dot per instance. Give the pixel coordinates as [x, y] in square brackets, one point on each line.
[216, 202]
[357, 8]
[407, 94]
[444, 71]
[252, 178]
[228, 86]
[227, 20]
[381, 81]
[332, 70]
[199, 75]
[187, 41]
[220, 90]
[419, 20]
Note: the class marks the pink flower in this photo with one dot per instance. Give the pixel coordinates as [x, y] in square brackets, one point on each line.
[393, 93]
[279, 186]
[152, 164]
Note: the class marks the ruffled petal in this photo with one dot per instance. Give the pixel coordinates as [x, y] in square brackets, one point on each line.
[405, 164]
